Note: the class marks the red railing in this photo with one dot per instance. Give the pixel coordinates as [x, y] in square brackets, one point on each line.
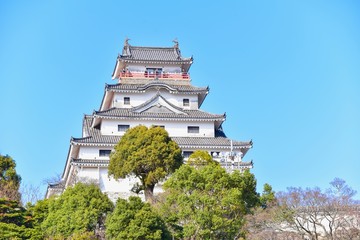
[155, 75]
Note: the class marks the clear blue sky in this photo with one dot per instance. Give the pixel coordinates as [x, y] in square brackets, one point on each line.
[287, 74]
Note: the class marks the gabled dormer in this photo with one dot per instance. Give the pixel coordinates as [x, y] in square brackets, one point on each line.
[158, 105]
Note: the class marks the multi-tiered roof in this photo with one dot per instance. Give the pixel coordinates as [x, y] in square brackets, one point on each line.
[158, 82]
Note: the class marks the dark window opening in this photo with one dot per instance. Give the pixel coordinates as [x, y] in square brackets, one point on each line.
[161, 126]
[126, 101]
[153, 72]
[193, 129]
[186, 102]
[186, 154]
[123, 128]
[104, 153]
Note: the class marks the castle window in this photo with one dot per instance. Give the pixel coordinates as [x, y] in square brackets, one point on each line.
[160, 126]
[123, 128]
[193, 129]
[126, 100]
[186, 102]
[186, 154]
[104, 153]
[153, 72]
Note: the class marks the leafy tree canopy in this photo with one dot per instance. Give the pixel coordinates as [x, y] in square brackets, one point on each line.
[78, 210]
[200, 158]
[147, 153]
[208, 202]
[135, 219]
[268, 196]
[9, 179]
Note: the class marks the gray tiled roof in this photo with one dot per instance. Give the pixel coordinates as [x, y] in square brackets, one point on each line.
[168, 54]
[208, 141]
[128, 113]
[156, 83]
[81, 161]
[181, 141]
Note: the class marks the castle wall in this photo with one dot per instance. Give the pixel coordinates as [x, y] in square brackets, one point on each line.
[137, 99]
[175, 129]
[92, 152]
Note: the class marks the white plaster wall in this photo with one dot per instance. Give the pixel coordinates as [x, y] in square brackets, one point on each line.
[175, 129]
[92, 152]
[109, 184]
[137, 99]
[121, 187]
[87, 174]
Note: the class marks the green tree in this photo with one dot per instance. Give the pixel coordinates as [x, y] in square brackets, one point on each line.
[39, 212]
[135, 219]
[15, 222]
[200, 158]
[208, 202]
[78, 210]
[268, 196]
[9, 179]
[147, 153]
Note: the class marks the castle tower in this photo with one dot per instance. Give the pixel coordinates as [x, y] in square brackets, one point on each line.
[153, 88]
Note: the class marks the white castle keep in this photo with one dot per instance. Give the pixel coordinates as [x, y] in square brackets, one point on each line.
[153, 89]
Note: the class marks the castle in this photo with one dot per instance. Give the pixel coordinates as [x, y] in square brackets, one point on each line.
[153, 89]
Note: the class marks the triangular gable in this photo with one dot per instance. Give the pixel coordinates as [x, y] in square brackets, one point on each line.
[157, 109]
[159, 105]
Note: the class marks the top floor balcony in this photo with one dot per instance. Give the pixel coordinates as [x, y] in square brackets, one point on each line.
[155, 75]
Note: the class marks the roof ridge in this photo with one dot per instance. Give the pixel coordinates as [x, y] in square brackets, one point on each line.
[152, 47]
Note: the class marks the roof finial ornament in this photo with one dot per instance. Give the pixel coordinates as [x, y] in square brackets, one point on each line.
[126, 49]
[126, 43]
[176, 43]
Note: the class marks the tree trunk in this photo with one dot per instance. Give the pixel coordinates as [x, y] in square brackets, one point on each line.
[149, 193]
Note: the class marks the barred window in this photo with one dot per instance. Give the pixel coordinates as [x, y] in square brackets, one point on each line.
[193, 129]
[123, 128]
[104, 153]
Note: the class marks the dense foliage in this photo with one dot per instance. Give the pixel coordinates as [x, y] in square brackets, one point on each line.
[78, 210]
[135, 219]
[15, 222]
[200, 158]
[208, 202]
[147, 153]
[9, 179]
[200, 201]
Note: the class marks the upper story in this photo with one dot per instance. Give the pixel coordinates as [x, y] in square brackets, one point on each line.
[143, 64]
[154, 88]
[143, 72]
